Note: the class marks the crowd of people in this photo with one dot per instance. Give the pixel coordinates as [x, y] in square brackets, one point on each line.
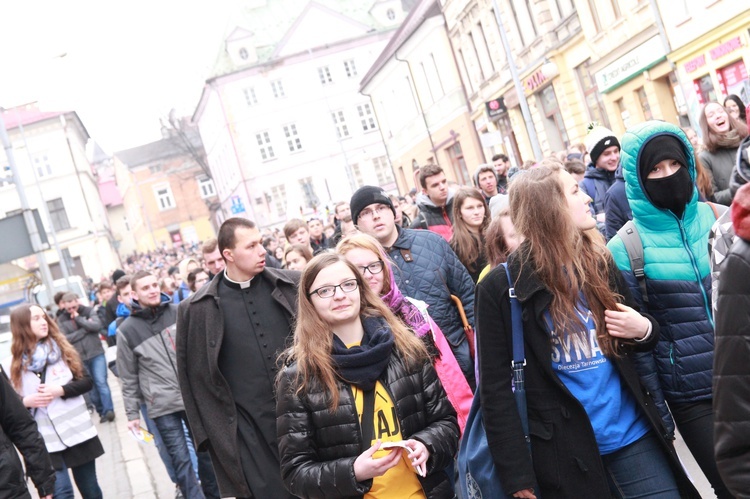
[339, 356]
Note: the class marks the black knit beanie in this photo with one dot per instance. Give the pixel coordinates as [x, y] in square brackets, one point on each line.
[117, 274]
[658, 149]
[367, 195]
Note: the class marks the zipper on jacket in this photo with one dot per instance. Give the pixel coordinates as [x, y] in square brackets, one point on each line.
[706, 305]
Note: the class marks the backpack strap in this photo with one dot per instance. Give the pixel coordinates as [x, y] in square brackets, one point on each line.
[633, 245]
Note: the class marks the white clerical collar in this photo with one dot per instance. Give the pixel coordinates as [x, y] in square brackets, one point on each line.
[242, 285]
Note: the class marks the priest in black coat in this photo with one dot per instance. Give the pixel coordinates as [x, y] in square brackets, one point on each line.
[229, 335]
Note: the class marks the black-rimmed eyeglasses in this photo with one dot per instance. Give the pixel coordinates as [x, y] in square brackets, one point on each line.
[373, 268]
[328, 291]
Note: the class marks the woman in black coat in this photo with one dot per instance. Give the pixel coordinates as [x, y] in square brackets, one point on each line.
[594, 430]
[358, 381]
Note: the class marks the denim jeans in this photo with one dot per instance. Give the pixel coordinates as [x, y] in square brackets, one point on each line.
[100, 395]
[172, 432]
[640, 470]
[85, 478]
[163, 453]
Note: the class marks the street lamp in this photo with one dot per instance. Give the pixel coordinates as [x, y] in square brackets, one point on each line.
[536, 148]
[28, 217]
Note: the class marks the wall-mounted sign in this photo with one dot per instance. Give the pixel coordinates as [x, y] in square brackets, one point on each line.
[533, 82]
[495, 107]
[725, 48]
[631, 64]
[695, 63]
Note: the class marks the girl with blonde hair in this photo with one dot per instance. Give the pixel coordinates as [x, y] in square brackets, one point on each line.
[366, 253]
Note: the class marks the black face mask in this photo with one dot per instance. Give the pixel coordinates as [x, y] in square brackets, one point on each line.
[671, 193]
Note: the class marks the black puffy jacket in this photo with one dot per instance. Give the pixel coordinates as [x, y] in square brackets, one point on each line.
[732, 371]
[318, 447]
[17, 427]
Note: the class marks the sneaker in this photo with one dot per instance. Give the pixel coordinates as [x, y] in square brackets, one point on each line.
[103, 418]
[109, 416]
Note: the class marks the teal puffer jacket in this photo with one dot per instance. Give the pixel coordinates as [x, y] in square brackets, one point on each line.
[678, 278]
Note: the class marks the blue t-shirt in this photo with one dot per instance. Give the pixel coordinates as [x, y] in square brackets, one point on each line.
[594, 380]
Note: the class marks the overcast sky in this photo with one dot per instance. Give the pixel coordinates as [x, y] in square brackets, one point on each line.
[126, 64]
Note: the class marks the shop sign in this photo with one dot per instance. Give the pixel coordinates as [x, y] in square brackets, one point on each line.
[725, 48]
[495, 107]
[695, 63]
[630, 64]
[534, 81]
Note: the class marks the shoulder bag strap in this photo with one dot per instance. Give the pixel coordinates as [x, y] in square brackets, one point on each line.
[519, 355]
[634, 246]
[368, 418]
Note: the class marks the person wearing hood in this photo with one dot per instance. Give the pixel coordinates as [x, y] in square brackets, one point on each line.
[435, 202]
[604, 149]
[731, 366]
[659, 170]
[147, 364]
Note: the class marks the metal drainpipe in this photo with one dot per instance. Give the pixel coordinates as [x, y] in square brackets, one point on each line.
[419, 103]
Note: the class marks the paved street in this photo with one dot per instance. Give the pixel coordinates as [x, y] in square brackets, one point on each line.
[128, 469]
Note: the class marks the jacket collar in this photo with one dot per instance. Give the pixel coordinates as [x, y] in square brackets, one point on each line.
[274, 276]
[151, 312]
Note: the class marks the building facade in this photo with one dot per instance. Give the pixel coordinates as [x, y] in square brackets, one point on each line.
[50, 152]
[167, 191]
[286, 131]
[710, 51]
[420, 101]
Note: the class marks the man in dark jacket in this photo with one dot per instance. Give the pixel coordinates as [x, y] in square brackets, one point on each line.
[81, 326]
[147, 366]
[435, 203]
[604, 149]
[428, 269]
[616, 206]
[17, 427]
[229, 335]
[731, 374]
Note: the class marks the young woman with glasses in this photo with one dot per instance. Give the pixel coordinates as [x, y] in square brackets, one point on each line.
[355, 379]
[366, 253]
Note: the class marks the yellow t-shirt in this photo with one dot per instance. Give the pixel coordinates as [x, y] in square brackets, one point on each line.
[401, 481]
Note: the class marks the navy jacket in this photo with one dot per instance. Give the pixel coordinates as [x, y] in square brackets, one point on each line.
[616, 206]
[427, 269]
[595, 183]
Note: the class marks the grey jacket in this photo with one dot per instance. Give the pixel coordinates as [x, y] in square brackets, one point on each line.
[720, 164]
[83, 332]
[146, 360]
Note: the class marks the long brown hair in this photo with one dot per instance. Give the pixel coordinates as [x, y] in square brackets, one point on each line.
[24, 343]
[466, 244]
[714, 141]
[369, 243]
[702, 180]
[566, 259]
[313, 339]
[495, 246]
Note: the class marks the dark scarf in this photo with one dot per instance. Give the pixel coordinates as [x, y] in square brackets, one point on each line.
[362, 365]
